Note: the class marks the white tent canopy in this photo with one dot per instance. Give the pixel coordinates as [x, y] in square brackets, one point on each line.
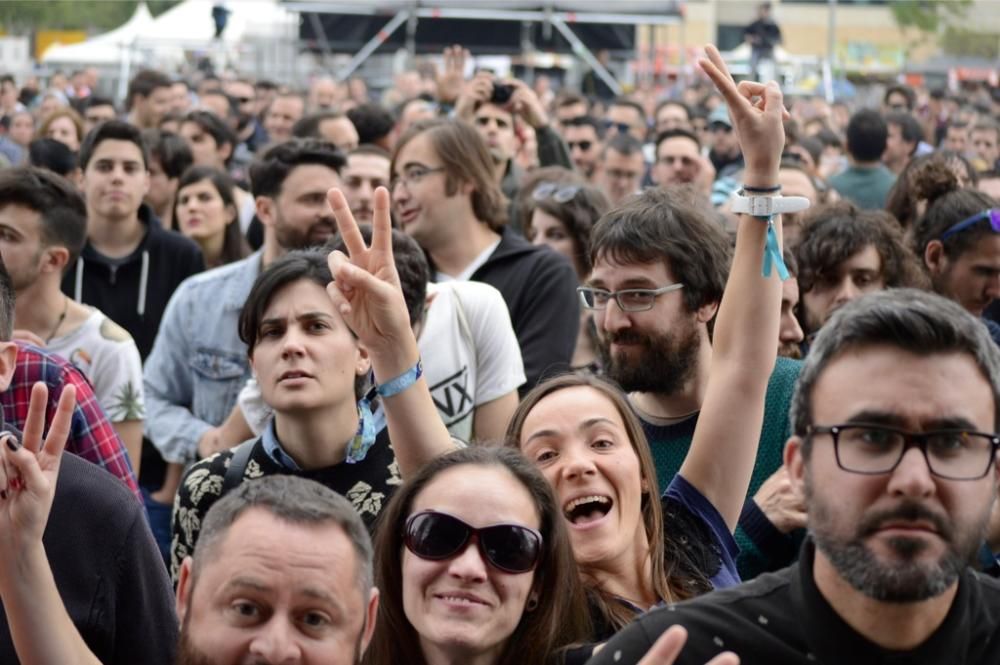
[104, 49]
[187, 26]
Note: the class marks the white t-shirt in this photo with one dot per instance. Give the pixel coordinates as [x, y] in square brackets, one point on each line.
[108, 356]
[469, 350]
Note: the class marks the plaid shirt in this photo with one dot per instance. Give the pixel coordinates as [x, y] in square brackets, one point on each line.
[91, 436]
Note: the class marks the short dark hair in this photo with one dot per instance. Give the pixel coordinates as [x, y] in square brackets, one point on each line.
[7, 301]
[373, 122]
[834, 232]
[306, 264]
[307, 127]
[909, 127]
[866, 135]
[569, 99]
[291, 499]
[112, 130]
[234, 243]
[672, 225]
[911, 320]
[170, 150]
[948, 204]
[144, 83]
[672, 102]
[269, 172]
[95, 100]
[52, 155]
[370, 149]
[215, 127]
[674, 133]
[632, 104]
[624, 144]
[232, 106]
[411, 264]
[62, 211]
[588, 121]
[905, 90]
[988, 126]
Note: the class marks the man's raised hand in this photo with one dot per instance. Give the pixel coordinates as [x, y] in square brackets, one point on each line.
[757, 111]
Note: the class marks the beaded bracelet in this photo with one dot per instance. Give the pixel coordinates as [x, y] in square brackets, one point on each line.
[401, 382]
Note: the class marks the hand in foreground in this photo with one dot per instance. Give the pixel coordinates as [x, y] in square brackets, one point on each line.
[28, 471]
[666, 649]
[782, 502]
[365, 288]
[757, 112]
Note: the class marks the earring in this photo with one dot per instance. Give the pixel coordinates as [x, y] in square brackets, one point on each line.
[532, 604]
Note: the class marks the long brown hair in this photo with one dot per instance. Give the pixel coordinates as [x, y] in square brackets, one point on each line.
[664, 557]
[560, 618]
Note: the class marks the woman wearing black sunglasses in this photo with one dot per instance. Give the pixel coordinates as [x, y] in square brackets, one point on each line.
[474, 566]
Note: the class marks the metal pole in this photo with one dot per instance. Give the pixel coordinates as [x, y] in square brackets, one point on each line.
[582, 51]
[373, 44]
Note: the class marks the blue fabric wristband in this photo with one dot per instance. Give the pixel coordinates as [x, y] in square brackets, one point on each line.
[401, 382]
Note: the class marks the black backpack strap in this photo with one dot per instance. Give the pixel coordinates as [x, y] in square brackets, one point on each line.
[237, 465]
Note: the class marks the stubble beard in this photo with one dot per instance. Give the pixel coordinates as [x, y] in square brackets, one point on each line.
[906, 580]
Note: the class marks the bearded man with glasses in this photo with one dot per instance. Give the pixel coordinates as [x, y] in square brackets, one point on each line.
[895, 417]
[660, 264]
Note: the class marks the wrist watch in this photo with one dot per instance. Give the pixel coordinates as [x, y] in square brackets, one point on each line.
[765, 206]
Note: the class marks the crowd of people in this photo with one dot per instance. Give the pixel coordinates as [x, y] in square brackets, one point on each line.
[483, 373]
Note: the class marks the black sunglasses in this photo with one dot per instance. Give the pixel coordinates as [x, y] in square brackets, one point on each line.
[435, 536]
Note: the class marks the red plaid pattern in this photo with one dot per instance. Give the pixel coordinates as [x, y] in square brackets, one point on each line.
[91, 437]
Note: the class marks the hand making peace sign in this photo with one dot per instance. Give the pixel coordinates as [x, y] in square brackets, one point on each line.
[365, 288]
[28, 471]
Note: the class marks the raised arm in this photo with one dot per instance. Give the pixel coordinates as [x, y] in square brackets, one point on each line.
[724, 447]
[40, 626]
[367, 293]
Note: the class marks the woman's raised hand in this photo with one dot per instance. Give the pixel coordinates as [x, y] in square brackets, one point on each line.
[365, 288]
[28, 472]
[757, 112]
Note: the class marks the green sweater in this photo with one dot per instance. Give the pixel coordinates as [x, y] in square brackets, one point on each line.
[762, 546]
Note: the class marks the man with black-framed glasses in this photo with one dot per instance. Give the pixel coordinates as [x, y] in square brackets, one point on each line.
[660, 264]
[895, 418]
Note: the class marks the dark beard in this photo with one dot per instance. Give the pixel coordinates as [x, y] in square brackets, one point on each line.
[903, 581]
[665, 362]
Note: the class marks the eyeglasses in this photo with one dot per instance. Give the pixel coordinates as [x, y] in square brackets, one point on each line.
[993, 214]
[670, 160]
[952, 454]
[629, 300]
[582, 145]
[511, 548]
[413, 176]
[559, 193]
[622, 127]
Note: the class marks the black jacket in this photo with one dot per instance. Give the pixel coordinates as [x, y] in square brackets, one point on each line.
[539, 287]
[134, 291]
[107, 568]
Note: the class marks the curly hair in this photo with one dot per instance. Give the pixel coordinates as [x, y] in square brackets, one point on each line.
[834, 232]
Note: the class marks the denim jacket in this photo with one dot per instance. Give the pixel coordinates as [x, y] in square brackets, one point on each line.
[198, 364]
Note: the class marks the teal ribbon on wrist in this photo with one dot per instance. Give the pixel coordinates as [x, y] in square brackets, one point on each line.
[772, 252]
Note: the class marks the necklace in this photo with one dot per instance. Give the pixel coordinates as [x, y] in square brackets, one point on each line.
[59, 321]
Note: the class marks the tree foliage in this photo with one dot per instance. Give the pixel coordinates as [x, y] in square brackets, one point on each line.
[21, 17]
[929, 16]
